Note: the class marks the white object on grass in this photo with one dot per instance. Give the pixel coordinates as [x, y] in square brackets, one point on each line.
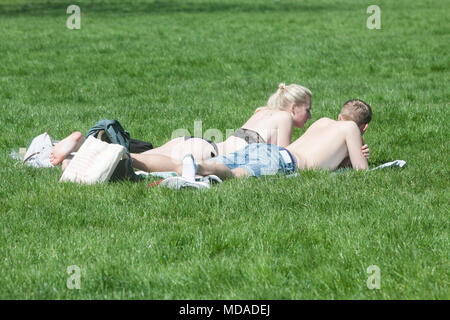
[142, 173]
[180, 182]
[38, 152]
[94, 162]
[395, 163]
[164, 174]
[189, 168]
[158, 174]
[210, 178]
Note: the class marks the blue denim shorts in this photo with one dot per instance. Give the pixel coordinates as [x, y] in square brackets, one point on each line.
[260, 159]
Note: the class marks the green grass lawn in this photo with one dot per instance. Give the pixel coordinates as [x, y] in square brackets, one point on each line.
[158, 66]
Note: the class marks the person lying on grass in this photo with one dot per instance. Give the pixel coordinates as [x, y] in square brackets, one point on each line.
[288, 107]
[326, 144]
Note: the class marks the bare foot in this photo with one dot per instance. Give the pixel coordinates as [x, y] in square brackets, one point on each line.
[63, 148]
[66, 162]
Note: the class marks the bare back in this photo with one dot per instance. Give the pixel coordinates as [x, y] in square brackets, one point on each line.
[274, 126]
[326, 143]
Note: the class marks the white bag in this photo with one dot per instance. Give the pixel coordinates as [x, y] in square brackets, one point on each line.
[94, 162]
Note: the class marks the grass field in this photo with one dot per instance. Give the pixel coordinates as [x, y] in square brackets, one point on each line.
[158, 66]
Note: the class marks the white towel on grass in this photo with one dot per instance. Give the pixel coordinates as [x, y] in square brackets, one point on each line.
[395, 163]
[159, 174]
[94, 162]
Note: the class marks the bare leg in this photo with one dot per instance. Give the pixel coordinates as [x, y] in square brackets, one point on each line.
[239, 173]
[167, 148]
[222, 171]
[66, 146]
[178, 148]
[155, 162]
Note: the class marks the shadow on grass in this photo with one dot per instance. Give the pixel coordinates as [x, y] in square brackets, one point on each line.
[43, 8]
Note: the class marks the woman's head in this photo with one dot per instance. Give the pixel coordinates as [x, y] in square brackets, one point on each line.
[294, 99]
[287, 95]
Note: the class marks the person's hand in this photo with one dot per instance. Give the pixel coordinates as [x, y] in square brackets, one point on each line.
[365, 151]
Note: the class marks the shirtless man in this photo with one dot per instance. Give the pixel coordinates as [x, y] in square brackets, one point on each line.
[326, 144]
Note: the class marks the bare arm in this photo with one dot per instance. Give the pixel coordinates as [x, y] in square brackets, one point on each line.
[354, 143]
[347, 163]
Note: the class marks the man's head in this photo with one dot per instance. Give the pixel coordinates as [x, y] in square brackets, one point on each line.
[358, 111]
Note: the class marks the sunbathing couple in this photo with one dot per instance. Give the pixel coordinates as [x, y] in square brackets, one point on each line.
[262, 146]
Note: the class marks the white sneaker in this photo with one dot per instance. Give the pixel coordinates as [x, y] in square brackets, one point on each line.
[180, 182]
[211, 179]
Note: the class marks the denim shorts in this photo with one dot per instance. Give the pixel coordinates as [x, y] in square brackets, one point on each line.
[260, 159]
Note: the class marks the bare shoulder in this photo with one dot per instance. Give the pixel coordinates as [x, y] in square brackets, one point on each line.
[323, 122]
[283, 116]
[279, 118]
[268, 119]
[280, 114]
[349, 127]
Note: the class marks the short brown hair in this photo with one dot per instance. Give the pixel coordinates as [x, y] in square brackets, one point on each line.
[358, 111]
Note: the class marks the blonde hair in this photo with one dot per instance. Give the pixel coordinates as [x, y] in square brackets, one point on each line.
[285, 95]
[358, 111]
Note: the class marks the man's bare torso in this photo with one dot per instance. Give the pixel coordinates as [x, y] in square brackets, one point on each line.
[323, 145]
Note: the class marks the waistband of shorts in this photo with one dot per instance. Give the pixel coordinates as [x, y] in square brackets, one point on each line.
[293, 160]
